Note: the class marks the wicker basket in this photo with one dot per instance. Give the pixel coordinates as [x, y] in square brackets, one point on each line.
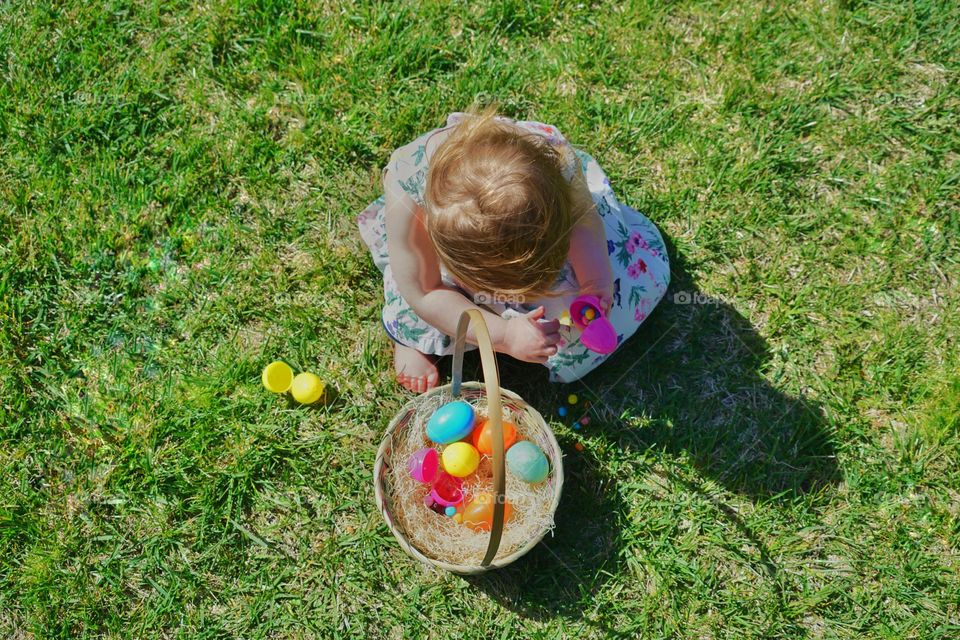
[528, 420]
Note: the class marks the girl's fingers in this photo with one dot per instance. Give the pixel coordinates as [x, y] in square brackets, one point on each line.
[549, 326]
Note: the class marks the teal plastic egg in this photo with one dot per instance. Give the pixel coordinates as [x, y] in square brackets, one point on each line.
[527, 462]
[451, 422]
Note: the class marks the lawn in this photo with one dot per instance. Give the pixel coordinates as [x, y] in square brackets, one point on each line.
[774, 454]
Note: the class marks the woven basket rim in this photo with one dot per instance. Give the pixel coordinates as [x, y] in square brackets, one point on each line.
[406, 545]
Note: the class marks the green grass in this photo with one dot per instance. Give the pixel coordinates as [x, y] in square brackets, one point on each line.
[178, 183]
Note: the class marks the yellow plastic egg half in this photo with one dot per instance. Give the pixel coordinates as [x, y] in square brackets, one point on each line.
[306, 388]
[277, 377]
[460, 459]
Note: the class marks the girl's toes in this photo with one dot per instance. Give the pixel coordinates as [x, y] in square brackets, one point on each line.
[415, 371]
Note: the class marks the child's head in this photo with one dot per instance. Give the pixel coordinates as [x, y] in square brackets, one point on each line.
[498, 209]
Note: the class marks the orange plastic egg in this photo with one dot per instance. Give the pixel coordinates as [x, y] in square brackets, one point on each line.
[478, 514]
[483, 434]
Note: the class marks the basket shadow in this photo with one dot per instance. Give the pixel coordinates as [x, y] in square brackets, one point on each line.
[695, 380]
[560, 575]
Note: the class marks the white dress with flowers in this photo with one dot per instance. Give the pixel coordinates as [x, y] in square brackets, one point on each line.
[641, 268]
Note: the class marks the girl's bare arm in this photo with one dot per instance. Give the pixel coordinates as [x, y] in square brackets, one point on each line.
[416, 268]
[416, 271]
[588, 245]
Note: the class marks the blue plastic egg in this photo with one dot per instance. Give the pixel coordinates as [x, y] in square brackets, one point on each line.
[527, 462]
[451, 422]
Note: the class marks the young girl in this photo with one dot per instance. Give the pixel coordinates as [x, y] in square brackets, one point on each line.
[505, 216]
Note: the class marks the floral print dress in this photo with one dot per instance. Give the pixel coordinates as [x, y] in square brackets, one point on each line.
[638, 258]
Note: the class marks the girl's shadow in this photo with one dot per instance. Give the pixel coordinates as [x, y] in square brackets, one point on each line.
[574, 560]
[694, 381]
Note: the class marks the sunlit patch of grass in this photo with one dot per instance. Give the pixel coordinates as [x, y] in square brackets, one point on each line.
[178, 188]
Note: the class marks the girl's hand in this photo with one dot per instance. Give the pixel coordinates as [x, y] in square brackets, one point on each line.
[604, 293]
[527, 338]
[606, 302]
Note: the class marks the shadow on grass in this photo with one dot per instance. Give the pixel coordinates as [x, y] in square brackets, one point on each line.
[694, 380]
[561, 573]
[692, 383]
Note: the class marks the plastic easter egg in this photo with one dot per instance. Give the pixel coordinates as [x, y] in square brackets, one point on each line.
[451, 422]
[447, 490]
[424, 464]
[478, 514]
[598, 333]
[527, 462]
[482, 436]
[578, 309]
[600, 336]
[562, 412]
[450, 511]
[277, 377]
[572, 398]
[306, 388]
[460, 459]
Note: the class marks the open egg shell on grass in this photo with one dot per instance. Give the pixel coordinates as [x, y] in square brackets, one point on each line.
[306, 388]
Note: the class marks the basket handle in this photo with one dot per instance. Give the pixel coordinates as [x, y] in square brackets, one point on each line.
[491, 378]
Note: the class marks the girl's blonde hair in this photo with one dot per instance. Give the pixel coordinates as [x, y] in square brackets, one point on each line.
[498, 209]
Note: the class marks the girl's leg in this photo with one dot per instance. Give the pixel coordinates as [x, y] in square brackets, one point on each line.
[415, 371]
[417, 344]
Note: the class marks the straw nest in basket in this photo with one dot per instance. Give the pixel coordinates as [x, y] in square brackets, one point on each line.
[442, 539]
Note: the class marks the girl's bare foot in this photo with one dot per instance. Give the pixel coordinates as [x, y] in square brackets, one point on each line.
[416, 371]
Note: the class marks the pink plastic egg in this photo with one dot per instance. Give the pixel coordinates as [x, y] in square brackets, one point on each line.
[424, 464]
